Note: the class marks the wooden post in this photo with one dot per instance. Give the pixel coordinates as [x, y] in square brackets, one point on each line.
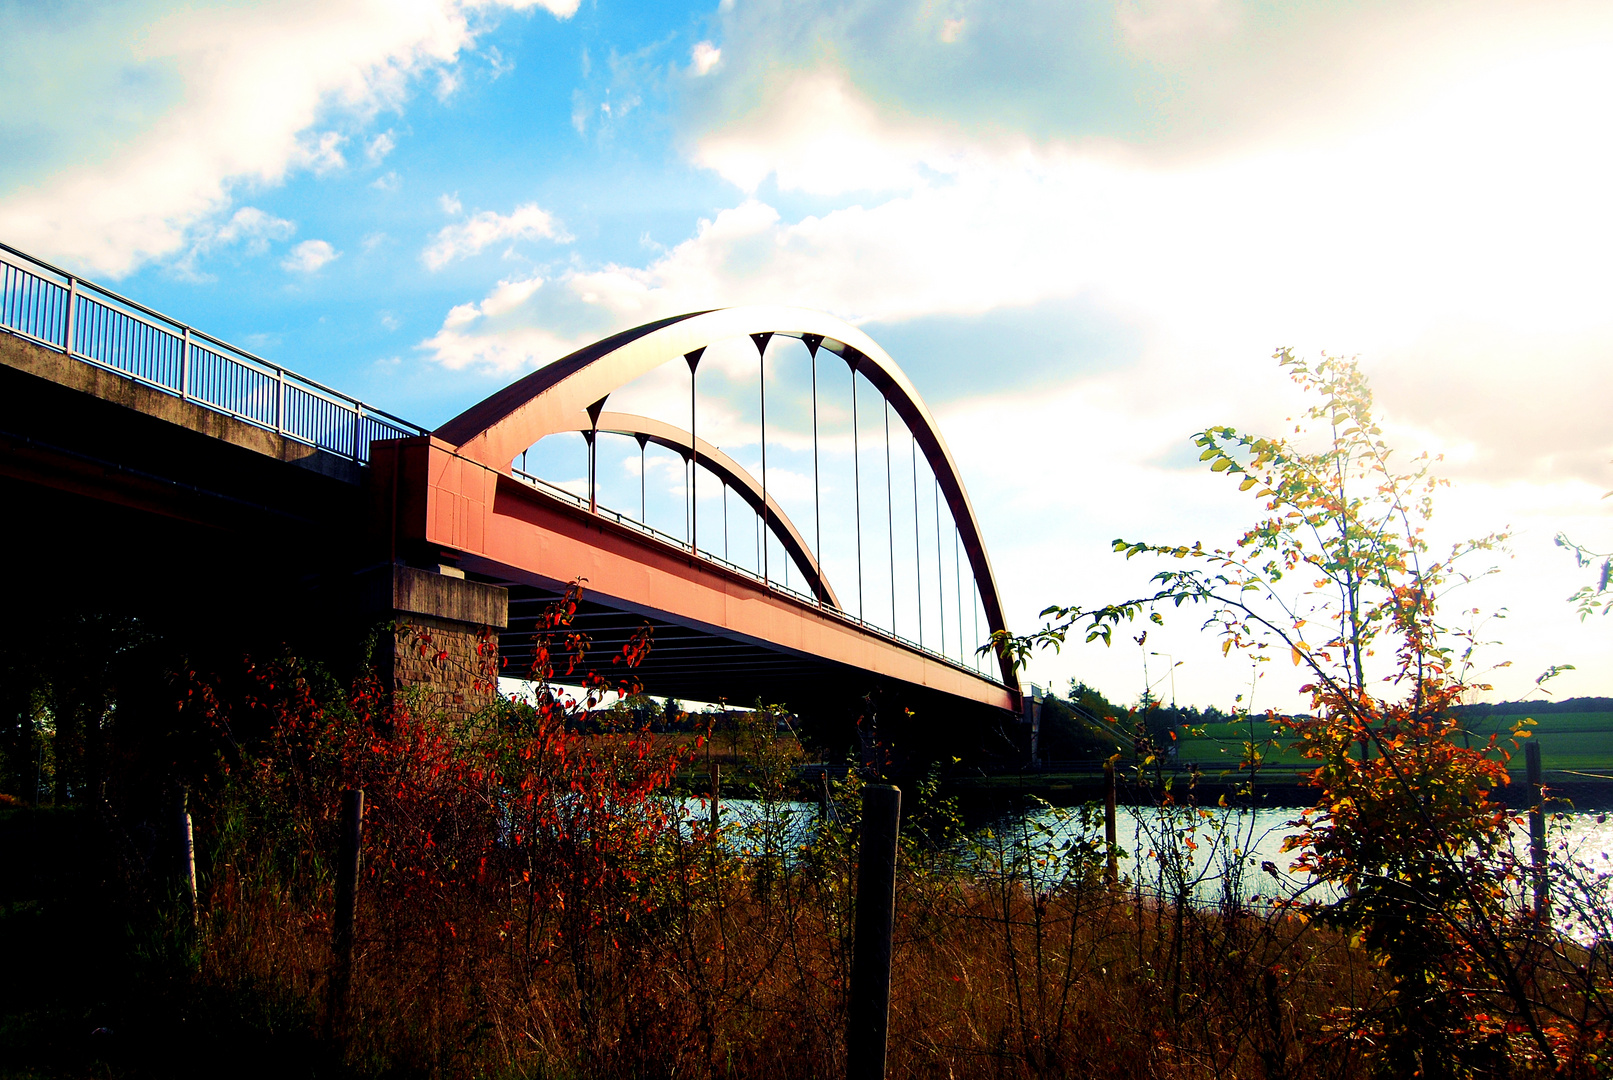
[187, 856]
[868, 1014]
[1537, 832]
[1112, 873]
[347, 863]
[716, 794]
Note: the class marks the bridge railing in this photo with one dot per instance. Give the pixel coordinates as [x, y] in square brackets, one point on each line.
[87, 322]
[774, 584]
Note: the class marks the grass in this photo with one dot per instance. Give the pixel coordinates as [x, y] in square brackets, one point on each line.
[1567, 741]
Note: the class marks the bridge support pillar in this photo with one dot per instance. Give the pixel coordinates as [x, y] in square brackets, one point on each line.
[444, 636]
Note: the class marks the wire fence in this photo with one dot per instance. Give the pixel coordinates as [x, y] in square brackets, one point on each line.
[76, 317]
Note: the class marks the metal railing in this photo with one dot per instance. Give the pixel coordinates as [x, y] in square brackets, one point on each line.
[682, 544]
[64, 312]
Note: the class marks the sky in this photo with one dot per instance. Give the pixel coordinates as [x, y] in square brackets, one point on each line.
[1082, 229]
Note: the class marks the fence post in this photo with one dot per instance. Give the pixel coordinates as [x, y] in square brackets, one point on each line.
[358, 432]
[187, 855]
[868, 1014]
[1112, 873]
[1537, 832]
[184, 367]
[280, 400]
[347, 863]
[72, 315]
[716, 794]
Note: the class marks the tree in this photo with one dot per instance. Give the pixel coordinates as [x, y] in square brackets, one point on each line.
[1337, 577]
[1591, 598]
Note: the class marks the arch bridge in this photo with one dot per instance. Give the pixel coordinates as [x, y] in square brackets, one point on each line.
[724, 628]
[800, 530]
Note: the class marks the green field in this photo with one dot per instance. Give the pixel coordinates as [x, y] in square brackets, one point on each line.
[1567, 741]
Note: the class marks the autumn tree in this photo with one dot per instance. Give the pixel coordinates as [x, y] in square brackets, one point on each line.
[1337, 577]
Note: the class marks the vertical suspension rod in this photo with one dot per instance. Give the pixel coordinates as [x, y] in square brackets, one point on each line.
[918, 563]
[761, 368]
[957, 588]
[812, 343]
[940, 578]
[890, 510]
[593, 501]
[856, 485]
[694, 457]
[643, 519]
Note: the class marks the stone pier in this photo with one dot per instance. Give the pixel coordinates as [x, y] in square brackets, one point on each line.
[444, 635]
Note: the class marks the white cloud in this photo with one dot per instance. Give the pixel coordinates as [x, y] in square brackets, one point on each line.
[498, 64]
[253, 226]
[703, 57]
[321, 153]
[466, 238]
[388, 181]
[450, 204]
[817, 133]
[250, 227]
[379, 147]
[310, 256]
[1458, 248]
[252, 85]
[464, 341]
[447, 83]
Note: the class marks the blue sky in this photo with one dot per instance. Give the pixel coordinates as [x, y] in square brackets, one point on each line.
[1081, 229]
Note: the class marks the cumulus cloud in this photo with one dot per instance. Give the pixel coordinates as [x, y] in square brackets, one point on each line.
[321, 153]
[310, 256]
[703, 57]
[466, 238]
[817, 133]
[1385, 243]
[249, 227]
[472, 334]
[248, 90]
[379, 147]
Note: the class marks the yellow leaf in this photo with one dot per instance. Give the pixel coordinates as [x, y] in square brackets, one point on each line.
[1248, 482]
[1297, 655]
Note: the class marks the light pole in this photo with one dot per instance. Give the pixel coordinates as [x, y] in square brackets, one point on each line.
[1174, 665]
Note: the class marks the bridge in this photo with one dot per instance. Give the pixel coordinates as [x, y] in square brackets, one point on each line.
[146, 458]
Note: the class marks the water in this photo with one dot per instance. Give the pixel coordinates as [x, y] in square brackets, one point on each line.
[1213, 855]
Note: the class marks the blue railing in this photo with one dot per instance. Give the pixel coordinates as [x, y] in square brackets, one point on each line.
[79, 318]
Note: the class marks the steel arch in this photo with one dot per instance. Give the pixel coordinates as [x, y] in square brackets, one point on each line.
[731, 473]
[559, 396]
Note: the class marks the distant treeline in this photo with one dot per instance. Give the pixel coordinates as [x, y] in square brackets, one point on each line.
[1532, 708]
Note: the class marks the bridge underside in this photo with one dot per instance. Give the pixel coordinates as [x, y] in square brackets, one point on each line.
[685, 662]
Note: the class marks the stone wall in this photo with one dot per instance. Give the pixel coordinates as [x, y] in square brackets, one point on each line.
[454, 664]
[444, 638]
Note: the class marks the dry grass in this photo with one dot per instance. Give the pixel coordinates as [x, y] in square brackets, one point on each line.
[738, 967]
